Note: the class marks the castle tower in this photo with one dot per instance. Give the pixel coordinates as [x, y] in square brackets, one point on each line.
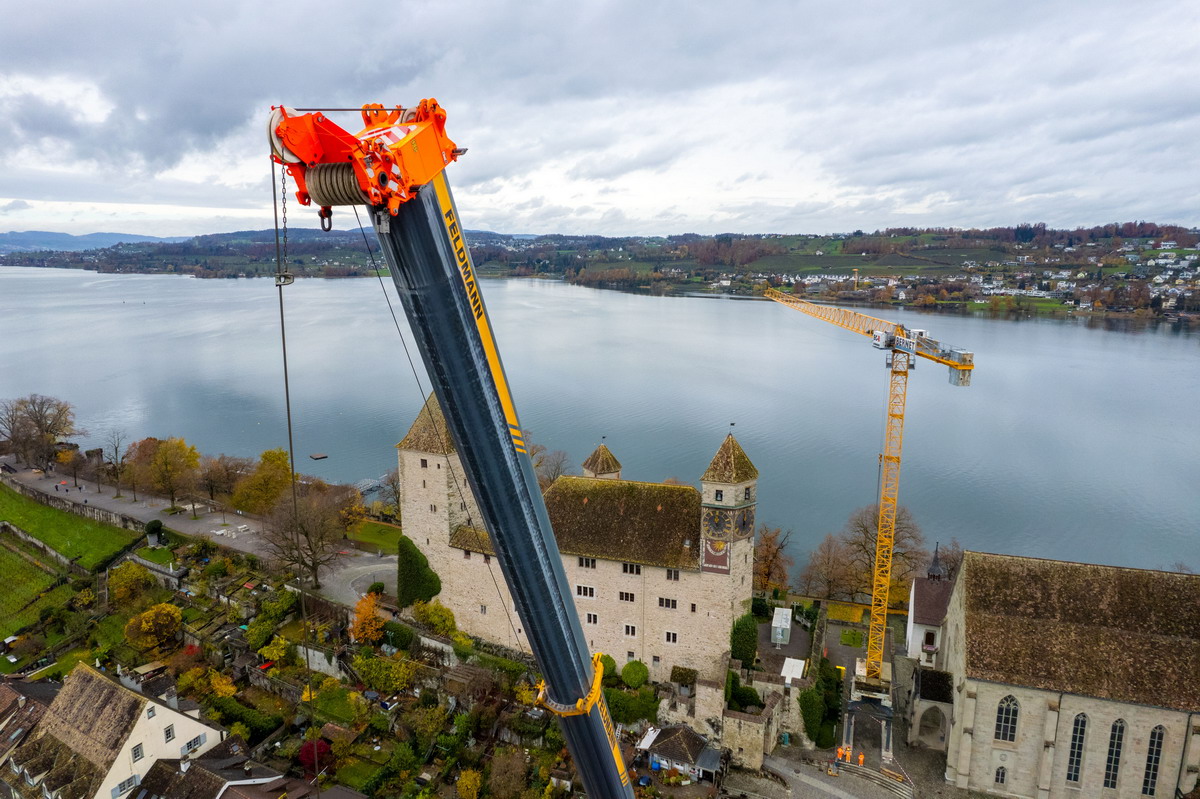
[602, 464]
[728, 492]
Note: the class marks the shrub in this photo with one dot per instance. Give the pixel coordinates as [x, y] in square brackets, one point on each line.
[746, 696]
[743, 640]
[232, 711]
[435, 616]
[126, 582]
[635, 674]
[683, 675]
[153, 527]
[415, 581]
[628, 708]
[398, 635]
[216, 568]
[827, 737]
[375, 588]
[611, 673]
[760, 608]
[812, 710]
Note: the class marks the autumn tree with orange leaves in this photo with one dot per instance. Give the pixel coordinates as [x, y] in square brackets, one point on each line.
[368, 624]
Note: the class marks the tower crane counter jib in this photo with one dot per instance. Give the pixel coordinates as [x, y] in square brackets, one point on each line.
[395, 167]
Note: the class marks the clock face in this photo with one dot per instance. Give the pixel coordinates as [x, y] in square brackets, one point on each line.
[716, 523]
[745, 523]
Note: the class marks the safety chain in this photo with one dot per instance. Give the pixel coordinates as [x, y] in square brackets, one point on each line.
[283, 277]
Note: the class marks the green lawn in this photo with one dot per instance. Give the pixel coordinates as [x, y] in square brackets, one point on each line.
[111, 630]
[356, 773]
[852, 638]
[93, 543]
[336, 705]
[65, 663]
[159, 555]
[384, 536]
[24, 582]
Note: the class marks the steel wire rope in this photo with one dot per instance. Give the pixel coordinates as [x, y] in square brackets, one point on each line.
[426, 409]
[280, 282]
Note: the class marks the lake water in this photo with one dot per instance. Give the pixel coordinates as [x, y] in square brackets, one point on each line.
[1073, 442]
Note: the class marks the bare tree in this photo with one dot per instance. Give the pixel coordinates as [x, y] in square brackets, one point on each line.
[115, 443]
[308, 535]
[859, 535]
[551, 466]
[950, 556]
[771, 561]
[828, 574]
[218, 475]
[393, 490]
[35, 424]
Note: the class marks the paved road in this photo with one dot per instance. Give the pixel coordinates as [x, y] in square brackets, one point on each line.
[344, 581]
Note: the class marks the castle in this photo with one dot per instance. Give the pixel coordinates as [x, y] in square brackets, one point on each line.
[659, 572]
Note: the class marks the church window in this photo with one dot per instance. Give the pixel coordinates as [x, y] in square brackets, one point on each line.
[673, 574]
[592, 618]
[424, 463]
[929, 637]
[585, 591]
[631, 568]
[1001, 775]
[1075, 755]
[746, 496]
[630, 630]
[672, 638]
[720, 497]
[669, 604]
[1153, 756]
[1006, 718]
[626, 596]
[587, 563]
[1112, 766]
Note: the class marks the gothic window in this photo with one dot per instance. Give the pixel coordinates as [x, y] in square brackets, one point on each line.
[1075, 755]
[1006, 719]
[1113, 764]
[1153, 757]
[1001, 775]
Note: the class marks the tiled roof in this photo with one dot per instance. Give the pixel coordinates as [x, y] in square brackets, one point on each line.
[429, 433]
[678, 743]
[602, 461]
[653, 524]
[1129, 635]
[930, 600]
[92, 715]
[730, 464]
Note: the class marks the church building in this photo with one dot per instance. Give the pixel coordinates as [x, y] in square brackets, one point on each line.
[659, 571]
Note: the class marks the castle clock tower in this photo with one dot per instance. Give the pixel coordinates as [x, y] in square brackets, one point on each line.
[728, 496]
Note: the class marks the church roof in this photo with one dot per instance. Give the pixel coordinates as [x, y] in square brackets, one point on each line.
[429, 432]
[930, 600]
[730, 464]
[1130, 635]
[654, 524]
[602, 461]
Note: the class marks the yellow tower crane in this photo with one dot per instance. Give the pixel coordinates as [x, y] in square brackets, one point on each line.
[904, 343]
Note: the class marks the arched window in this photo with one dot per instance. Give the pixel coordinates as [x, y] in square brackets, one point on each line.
[1001, 775]
[1075, 756]
[1153, 756]
[1113, 764]
[1006, 718]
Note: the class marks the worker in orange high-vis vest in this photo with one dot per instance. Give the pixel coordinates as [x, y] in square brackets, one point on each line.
[861, 758]
[840, 753]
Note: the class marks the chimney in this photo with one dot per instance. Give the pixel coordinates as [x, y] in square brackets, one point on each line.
[247, 768]
[21, 700]
[184, 762]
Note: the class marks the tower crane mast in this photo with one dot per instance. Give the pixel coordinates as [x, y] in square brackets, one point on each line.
[904, 344]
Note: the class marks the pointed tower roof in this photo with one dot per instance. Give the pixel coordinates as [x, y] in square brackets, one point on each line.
[429, 433]
[730, 464]
[602, 461]
[936, 570]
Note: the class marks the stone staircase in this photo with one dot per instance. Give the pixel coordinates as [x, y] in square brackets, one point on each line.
[901, 789]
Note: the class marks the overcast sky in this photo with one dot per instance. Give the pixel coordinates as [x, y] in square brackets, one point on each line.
[617, 117]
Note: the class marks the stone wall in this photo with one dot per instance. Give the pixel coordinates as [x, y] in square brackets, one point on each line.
[86, 511]
[51, 554]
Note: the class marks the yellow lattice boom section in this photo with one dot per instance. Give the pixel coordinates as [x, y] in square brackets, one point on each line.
[842, 317]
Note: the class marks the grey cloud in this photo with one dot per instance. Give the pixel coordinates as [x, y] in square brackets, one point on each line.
[14, 205]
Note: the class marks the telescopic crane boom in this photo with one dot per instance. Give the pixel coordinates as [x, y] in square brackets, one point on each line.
[394, 167]
[904, 344]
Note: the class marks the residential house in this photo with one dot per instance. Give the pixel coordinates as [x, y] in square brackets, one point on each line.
[679, 747]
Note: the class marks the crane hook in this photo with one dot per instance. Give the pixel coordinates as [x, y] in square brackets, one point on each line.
[326, 217]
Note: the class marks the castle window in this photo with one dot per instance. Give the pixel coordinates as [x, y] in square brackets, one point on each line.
[720, 497]
[138, 753]
[656, 660]
[629, 656]
[669, 604]
[466, 554]
[592, 618]
[631, 568]
[630, 631]
[1075, 755]
[673, 574]
[746, 496]
[587, 563]
[1006, 718]
[433, 508]
[462, 506]
[487, 559]
[483, 610]
[422, 484]
[585, 591]
[672, 638]
[626, 596]
[1001, 775]
[424, 463]
[693, 607]
[1112, 766]
[1153, 756]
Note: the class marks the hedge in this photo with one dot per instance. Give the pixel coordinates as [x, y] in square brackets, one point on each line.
[398, 635]
[683, 675]
[743, 640]
[260, 724]
[415, 581]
